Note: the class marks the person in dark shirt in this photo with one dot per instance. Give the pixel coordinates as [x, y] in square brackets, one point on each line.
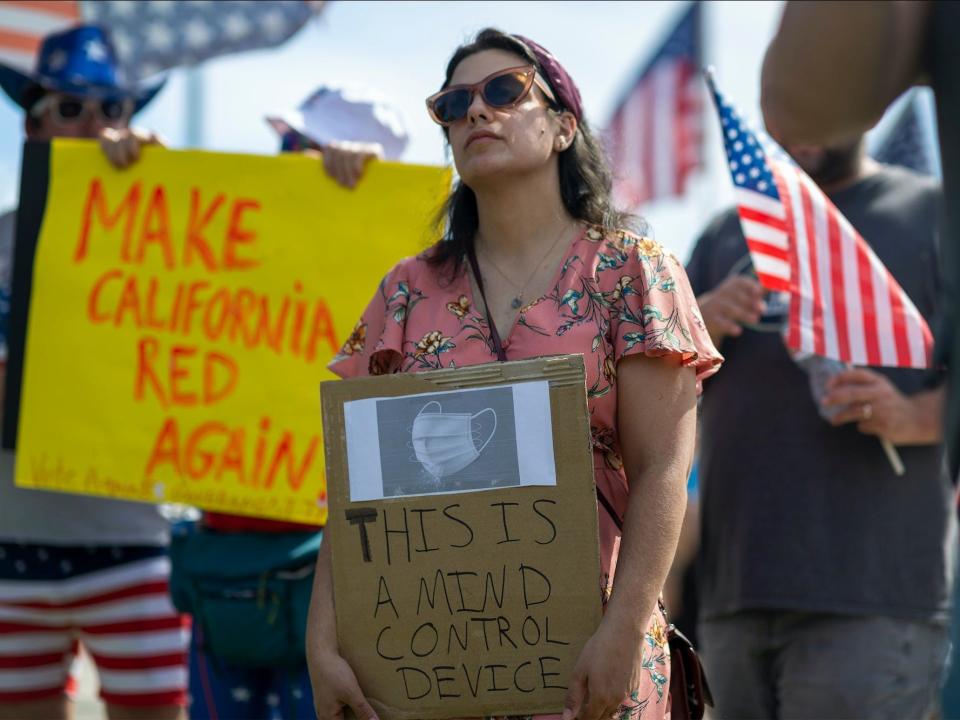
[824, 577]
[830, 73]
[865, 55]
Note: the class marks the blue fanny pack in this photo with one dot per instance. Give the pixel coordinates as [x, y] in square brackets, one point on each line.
[248, 592]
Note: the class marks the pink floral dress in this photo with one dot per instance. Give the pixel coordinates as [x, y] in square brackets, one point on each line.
[613, 295]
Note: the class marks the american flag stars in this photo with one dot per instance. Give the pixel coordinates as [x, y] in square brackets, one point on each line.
[844, 304]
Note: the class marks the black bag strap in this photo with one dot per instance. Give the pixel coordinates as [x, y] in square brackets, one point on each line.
[608, 506]
[494, 333]
[502, 357]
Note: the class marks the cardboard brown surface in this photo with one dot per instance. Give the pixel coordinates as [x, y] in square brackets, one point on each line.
[483, 605]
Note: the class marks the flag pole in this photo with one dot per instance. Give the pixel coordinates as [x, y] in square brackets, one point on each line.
[890, 450]
[893, 457]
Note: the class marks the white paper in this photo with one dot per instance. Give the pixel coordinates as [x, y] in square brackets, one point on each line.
[504, 434]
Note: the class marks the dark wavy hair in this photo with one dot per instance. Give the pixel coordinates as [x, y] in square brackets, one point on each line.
[585, 178]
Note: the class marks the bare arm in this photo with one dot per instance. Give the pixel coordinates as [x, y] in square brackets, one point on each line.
[321, 621]
[834, 67]
[687, 547]
[657, 426]
[657, 437]
[334, 683]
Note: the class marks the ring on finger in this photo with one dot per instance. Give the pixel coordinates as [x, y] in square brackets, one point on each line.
[867, 411]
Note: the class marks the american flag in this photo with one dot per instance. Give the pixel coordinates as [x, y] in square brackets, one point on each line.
[654, 136]
[24, 24]
[844, 304]
[155, 35]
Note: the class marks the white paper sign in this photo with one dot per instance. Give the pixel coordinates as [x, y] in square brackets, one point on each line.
[466, 440]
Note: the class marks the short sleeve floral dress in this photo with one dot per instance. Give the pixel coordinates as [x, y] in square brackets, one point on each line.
[614, 294]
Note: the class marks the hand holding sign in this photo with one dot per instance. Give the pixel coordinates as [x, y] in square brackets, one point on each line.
[345, 161]
[607, 671]
[335, 688]
[122, 145]
[458, 563]
[207, 292]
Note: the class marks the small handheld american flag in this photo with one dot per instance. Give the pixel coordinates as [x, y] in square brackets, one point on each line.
[844, 303]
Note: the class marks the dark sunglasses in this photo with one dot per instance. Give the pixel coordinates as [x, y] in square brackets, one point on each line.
[66, 109]
[502, 89]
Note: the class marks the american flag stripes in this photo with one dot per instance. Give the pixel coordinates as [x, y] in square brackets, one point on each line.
[161, 34]
[157, 35]
[844, 304]
[23, 25]
[654, 136]
[125, 619]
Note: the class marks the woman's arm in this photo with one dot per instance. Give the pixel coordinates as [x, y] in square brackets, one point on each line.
[334, 683]
[656, 422]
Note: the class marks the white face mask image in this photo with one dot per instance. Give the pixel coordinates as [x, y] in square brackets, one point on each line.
[445, 443]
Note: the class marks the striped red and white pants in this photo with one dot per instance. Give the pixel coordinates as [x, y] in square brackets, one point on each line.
[52, 599]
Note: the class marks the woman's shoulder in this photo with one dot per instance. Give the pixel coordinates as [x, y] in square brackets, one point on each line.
[412, 268]
[627, 243]
[424, 270]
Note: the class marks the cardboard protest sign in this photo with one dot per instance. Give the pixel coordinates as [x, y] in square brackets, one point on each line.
[179, 315]
[463, 523]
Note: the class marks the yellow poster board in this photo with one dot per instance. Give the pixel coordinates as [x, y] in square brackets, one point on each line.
[182, 316]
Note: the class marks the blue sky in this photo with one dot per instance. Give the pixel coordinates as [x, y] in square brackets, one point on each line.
[401, 48]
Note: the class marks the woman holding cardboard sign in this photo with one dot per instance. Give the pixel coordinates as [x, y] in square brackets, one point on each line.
[537, 262]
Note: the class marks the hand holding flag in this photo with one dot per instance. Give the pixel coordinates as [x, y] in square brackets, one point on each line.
[844, 304]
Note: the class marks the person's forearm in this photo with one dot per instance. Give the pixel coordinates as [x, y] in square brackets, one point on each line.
[321, 619]
[834, 67]
[658, 498]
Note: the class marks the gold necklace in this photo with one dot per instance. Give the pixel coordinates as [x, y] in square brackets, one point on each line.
[517, 302]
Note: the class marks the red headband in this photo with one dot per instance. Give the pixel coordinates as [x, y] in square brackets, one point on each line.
[563, 85]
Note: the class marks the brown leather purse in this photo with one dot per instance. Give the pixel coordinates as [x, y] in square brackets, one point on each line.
[689, 692]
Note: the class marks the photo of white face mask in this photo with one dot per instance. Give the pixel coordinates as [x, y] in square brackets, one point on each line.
[437, 443]
[446, 443]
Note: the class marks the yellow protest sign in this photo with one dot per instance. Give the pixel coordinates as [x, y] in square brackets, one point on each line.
[182, 315]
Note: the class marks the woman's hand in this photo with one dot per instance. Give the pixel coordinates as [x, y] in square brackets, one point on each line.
[335, 687]
[334, 683]
[346, 161]
[122, 145]
[607, 671]
[657, 449]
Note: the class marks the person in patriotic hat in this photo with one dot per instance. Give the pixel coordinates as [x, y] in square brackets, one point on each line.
[77, 569]
[78, 90]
